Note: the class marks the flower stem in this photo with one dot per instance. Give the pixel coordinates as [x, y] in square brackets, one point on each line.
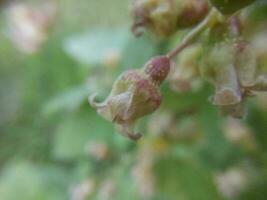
[210, 20]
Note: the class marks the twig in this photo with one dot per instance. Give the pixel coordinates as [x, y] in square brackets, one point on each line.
[210, 20]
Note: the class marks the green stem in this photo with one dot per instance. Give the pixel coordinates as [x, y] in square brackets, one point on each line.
[209, 21]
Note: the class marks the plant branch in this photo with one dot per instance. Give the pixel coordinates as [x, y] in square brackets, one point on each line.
[210, 20]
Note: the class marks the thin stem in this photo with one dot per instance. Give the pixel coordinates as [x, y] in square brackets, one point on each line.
[190, 37]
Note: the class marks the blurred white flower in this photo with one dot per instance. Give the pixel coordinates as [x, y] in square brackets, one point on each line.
[82, 190]
[239, 133]
[107, 190]
[27, 25]
[232, 182]
[143, 173]
[97, 150]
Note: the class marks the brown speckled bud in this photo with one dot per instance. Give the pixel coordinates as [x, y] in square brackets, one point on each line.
[134, 94]
[158, 68]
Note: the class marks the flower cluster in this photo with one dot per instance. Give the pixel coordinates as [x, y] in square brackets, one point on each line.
[227, 60]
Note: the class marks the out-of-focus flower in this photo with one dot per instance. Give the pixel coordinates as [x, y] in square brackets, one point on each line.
[164, 17]
[107, 189]
[134, 94]
[112, 58]
[143, 173]
[232, 182]
[28, 25]
[184, 75]
[174, 126]
[238, 133]
[83, 190]
[97, 150]
[161, 123]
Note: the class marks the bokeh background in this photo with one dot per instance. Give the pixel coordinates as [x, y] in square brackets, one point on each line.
[53, 145]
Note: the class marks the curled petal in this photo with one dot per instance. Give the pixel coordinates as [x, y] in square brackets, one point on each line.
[126, 130]
[93, 103]
[103, 109]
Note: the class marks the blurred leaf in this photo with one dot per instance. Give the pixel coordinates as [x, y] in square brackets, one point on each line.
[94, 46]
[69, 100]
[75, 132]
[257, 121]
[28, 182]
[138, 51]
[215, 151]
[176, 179]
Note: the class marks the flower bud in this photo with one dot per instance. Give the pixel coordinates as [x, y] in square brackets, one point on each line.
[230, 6]
[134, 94]
[157, 15]
[191, 12]
[164, 17]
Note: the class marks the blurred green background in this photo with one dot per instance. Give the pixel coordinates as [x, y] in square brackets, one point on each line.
[53, 146]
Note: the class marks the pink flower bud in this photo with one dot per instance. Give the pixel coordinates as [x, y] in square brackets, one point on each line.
[134, 94]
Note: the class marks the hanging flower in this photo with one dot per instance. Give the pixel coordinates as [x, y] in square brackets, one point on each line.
[134, 94]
